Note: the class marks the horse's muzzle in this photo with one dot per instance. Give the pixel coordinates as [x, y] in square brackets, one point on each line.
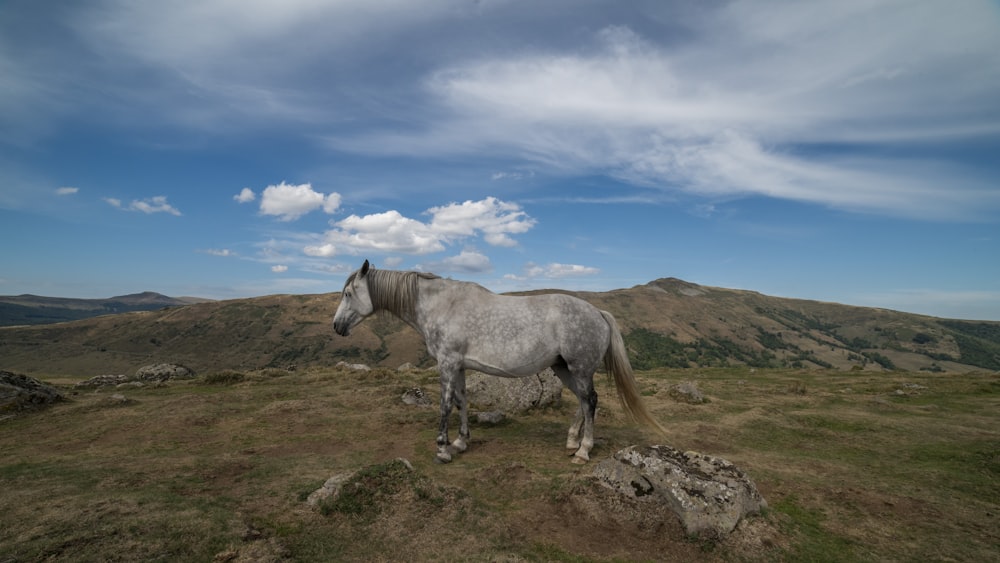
[341, 328]
[343, 325]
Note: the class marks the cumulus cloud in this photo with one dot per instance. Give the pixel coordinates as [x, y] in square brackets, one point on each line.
[157, 204]
[392, 232]
[289, 202]
[494, 218]
[246, 195]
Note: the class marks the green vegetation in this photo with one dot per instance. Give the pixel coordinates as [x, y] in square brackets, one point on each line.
[979, 343]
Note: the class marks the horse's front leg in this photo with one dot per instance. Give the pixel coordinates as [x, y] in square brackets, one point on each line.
[452, 392]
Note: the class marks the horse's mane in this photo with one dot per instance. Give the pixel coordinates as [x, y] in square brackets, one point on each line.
[393, 291]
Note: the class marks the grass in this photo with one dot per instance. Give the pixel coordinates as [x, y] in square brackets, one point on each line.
[219, 469]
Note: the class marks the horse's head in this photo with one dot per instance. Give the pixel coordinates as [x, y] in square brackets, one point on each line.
[355, 302]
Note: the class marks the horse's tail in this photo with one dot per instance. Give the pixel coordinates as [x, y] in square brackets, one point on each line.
[620, 370]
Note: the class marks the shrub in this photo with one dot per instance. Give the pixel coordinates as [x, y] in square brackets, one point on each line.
[226, 377]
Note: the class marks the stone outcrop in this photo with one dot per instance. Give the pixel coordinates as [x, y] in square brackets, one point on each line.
[513, 394]
[163, 372]
[105, 381]
[332, 487]
[687, 392]
[21, 392]
[709, 495]
[353, 367]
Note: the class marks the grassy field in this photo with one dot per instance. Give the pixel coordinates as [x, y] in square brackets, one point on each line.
[855, 466]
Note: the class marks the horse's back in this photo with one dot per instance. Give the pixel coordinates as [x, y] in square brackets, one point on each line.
[520, 335]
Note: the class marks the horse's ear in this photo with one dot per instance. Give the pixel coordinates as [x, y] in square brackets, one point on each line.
[364, 269]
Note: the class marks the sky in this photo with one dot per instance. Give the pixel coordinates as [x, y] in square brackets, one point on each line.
[837, 150]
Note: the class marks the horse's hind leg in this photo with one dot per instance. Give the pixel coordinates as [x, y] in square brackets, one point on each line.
[583, 422]
[575, 427]
[462, 442]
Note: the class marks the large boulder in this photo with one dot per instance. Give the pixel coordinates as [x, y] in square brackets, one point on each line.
[21, 392]
[710, 495]
[513, 394]
[163, 372]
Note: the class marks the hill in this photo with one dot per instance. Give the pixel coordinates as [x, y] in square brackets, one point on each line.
[666, 323]
[30, 309]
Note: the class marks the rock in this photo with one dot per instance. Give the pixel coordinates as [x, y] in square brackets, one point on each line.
[406, 367]
[513, 394]
[687, 392]
[355, 367]
[104, 381]
[163, 372]
[491, 417]
[416, 396]
[710, 495]
[21, 392]
[332, 487]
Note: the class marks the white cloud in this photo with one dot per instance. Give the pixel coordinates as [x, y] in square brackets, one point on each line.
[246, 195]
[279, 268]
[157, 204]
[67, 191]
[467, 261]
[392, 232]
[289, 202]
[734, 108]
[321, 251]
[384, 232]
[552, 270]
[392, 261]
[494, 218]
[219, 252]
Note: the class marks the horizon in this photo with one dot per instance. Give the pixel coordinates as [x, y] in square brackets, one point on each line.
[832, 151]
[208, 299]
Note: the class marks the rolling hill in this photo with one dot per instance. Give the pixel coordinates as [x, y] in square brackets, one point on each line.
[35, 309]
[666, 323]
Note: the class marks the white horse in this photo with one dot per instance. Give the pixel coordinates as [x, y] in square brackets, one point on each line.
[466, 326]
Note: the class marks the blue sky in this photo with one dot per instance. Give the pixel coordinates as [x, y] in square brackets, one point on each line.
[844, 151]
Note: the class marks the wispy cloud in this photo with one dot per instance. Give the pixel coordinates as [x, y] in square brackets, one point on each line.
[552, 271]
[726, 114]
[962, 304]
[157, 204]
[467, 262]
[67, 190]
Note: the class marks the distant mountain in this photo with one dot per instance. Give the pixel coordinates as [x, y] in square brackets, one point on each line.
[34, 309]
[666, 323]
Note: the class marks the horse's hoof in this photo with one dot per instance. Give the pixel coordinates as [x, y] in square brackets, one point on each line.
[579, 460]
[442, 457]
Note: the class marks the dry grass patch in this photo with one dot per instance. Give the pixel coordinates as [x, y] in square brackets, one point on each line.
[195, 471]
